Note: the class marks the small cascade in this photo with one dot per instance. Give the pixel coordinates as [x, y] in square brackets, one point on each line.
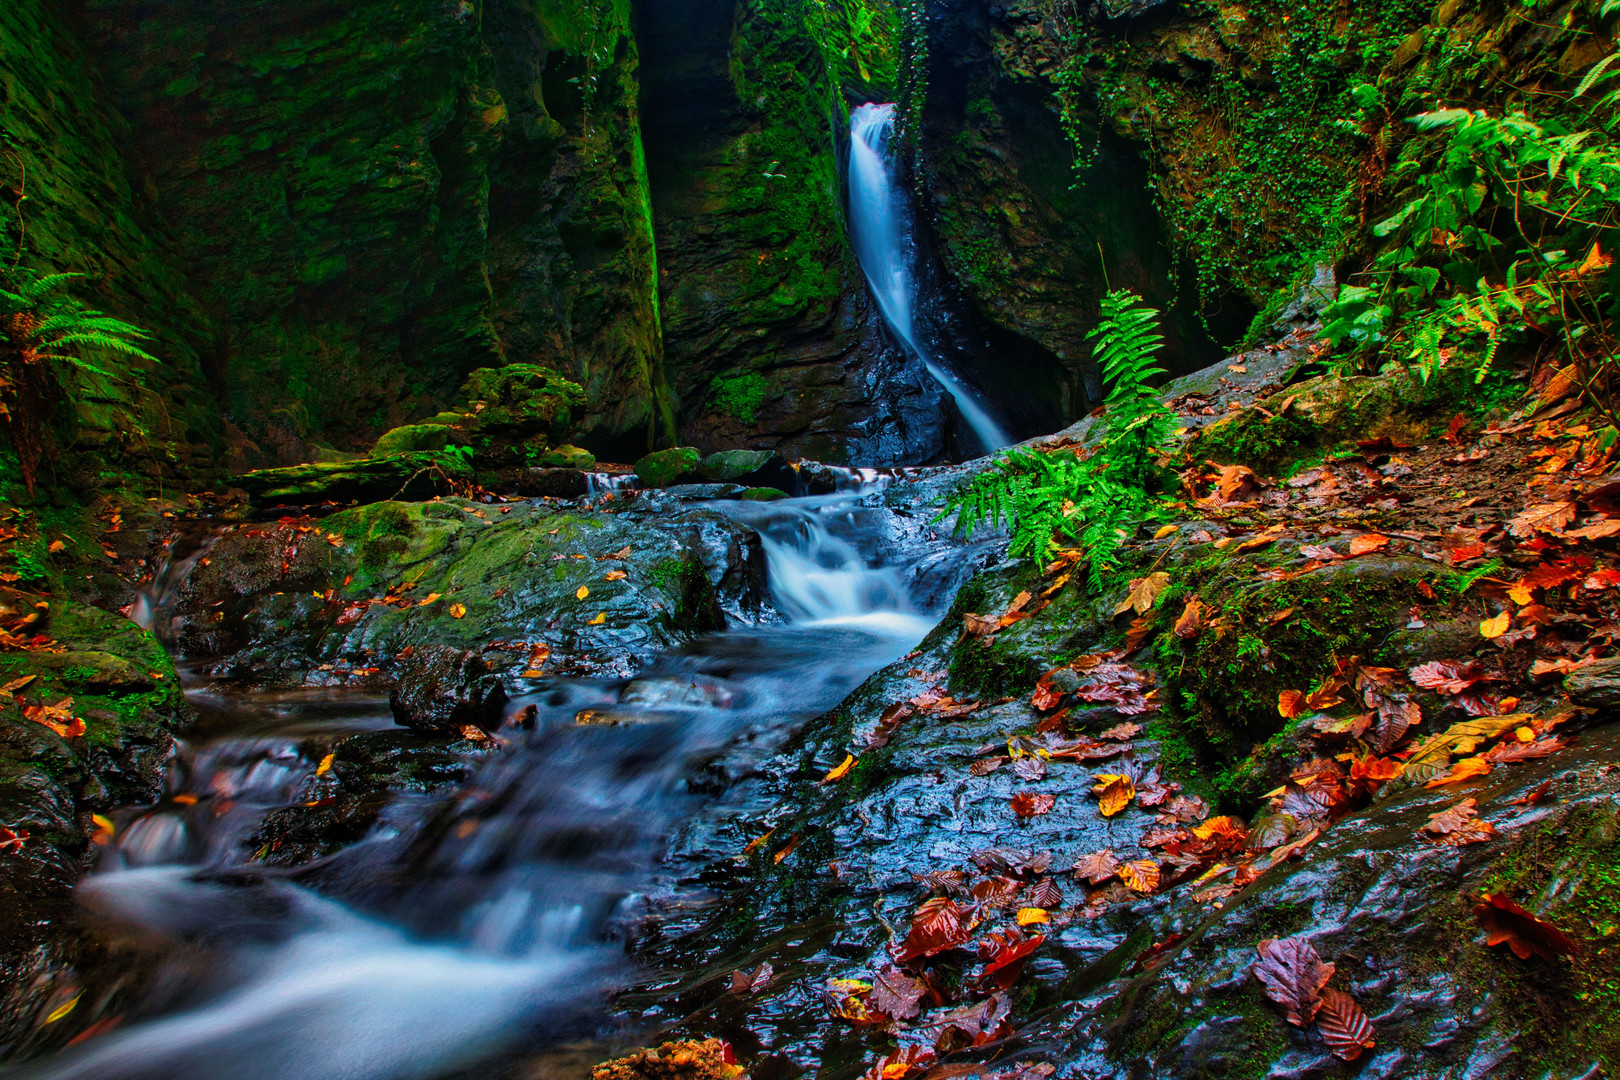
[880, 227]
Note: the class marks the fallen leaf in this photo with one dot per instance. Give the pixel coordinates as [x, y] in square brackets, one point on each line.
[1143, 593]
[938, 925]
[1028, 804]
[1121, 732]
[1361, 545]
[1466, 769]
[841, 770]
[746, 982]
[896, 994]
[1163, 531]
[1031, 916]
[582, 592]
[1447, 676]
[1460, 824]
[1237, 483]
[55, 546]
[1139, 875]
[326, 764]
[615, 575]
[1290, 704]
[1543, 517]
[601, 617]
[1097, 867]
[458, 611]
[1531, 798]
[1343, 1024]
[430, 598]
[1526, 935]
[1191, 621]
[1114, 793]
[1293, 975]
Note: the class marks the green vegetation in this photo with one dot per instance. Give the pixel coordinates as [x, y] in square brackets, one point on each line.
[739, 395]
[1049, 498]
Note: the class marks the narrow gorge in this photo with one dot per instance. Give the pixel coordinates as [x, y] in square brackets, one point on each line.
[882, 539]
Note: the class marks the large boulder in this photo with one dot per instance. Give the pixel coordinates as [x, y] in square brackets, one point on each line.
[441, 688]
[677, 465]
[415, 475]
[412, 437]
[519, 400]
[754, 468]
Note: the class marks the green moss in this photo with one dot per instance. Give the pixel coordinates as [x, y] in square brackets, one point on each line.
[739, 395]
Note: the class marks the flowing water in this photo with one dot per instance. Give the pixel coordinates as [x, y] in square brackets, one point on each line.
[881, 233]
[497, 916]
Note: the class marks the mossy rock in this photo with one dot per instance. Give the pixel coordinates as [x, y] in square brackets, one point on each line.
[753, 467]
[674, 466]
[324, 455]
[565, 457]
[418, 475]
[521, 400]
[411, 438]
[763, 494]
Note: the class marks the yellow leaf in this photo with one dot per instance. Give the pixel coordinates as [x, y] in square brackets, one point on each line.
[754, 845]
[601, 617]
[1164, 531]
[1495, 628]
[63, 1009]
[458, 611]
[1140, 875]
[615, 575]
[1114, 793]
[1143, 594]
[1030, 916]
[56, 545]
[430, 598]
[1524, 734]
[103, 823]
[582, 592]
[1520, 593]
[841, 771]
[326, 765]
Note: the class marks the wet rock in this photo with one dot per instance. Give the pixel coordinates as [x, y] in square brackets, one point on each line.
[440, 688]
[414, 475]
[752, 468]
[566, 457]
[411, 438]
[1596, 685]
[563, 483]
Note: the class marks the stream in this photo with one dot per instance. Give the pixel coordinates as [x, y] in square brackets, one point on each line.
[499, 917]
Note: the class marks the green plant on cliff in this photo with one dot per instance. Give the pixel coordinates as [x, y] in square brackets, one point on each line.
[1057, 496]
[1500, 241]
[41, 329]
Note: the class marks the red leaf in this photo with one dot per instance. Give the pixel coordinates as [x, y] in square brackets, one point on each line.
[1448, 676]
[1526, 935]
[896, 993]
[938, 925]
[1028, 804]
[1343, 1024]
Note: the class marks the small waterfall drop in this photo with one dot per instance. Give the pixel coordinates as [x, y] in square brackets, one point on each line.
[879, 221]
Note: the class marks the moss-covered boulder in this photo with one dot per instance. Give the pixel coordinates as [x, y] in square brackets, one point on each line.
[416, 475]
[411, 438]
[520, 400]
[676, 465]
[756, 468]
[564, 457]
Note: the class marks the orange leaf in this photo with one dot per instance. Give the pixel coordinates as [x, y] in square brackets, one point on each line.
[1030, 916]
[615, 575]
[1466, 769]
[1290, 704]
[1496, 627]
[1366, 542]
[1191, 621]
[1140, 875]
[458, 611]
[582, 592]
[1114, 793]
[1526, 935]
[841, 770]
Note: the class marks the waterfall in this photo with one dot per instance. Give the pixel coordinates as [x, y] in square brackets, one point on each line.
[879, 221]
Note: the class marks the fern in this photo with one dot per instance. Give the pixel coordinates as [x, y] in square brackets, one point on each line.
[40, 329]
[1050, 498]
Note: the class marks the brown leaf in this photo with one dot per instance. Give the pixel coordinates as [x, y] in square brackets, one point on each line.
[1097, 867]
[1447, 676]
[1466, 769]
[1343, 1024]
[751, 982]
[1237, 483]
[1459, 825]
[1144, 593]
[1030, 768]
[896, 993]
[1543, 517]
[937, 926]
[1293, 975]
[1027, 804]
[978, 625]
[1140, 632]
[1526, 935]
[1046, 893]
[1121, 732]
[1191, 621]
[986, 766]
[1290, 704]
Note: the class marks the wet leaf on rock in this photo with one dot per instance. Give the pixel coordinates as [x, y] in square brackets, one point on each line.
[839, 771]
[1030, 768]
[1143, 593]
[1293, 975]
[751, 982]
[1139, 875]
[1343, 1024]
[1458, 825]
[896, 993]
[1045, 893]
[1507, 923]
[938, 925]
[1114, 793]
[1121, 732]
[1028, 804]
[1098, 867]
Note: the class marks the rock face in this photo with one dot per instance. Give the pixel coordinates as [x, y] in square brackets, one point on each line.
[439, 688]
[597, 590]
[377, 202]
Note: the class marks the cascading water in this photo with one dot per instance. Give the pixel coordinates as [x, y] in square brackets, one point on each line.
[880, 230]
[462, 924]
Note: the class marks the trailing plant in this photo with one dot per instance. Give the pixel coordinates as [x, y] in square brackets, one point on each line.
[1500, 242]
[40, 330]
[1055, 496]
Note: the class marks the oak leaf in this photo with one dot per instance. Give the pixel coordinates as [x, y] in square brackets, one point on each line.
[1293, 975]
